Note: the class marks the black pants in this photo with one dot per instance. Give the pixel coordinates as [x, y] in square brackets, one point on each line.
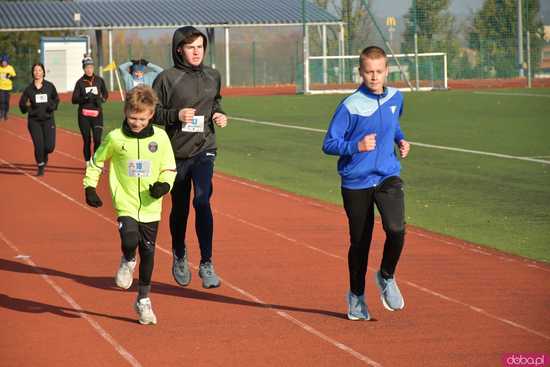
[90, 127]
[137, 235]
[4, 103]
[43, 139]
[198, 170]
[359, 206]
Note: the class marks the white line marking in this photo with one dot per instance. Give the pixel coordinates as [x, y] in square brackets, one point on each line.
[431, 146]
[63, 294]
[468, 247]
[514, 94]
[286, 316]
[311, 247]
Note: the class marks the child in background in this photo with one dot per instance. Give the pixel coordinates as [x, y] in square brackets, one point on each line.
[141, 171]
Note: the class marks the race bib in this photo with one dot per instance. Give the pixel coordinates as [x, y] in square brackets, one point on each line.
[196, 126]
[41, 98]
[92, 90]
[139, 168]
[137, 82]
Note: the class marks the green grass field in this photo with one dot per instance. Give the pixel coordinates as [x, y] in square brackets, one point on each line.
[492, 201]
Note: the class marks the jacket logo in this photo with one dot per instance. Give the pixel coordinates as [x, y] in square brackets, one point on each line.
[153, 147]
[393, 108]
[123, 148]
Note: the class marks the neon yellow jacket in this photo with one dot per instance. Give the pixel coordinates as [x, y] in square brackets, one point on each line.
[6, 72]
[137, 161]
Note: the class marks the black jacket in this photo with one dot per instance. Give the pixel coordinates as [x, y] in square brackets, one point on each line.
[43, 101]
[86, 98]
[186, 86]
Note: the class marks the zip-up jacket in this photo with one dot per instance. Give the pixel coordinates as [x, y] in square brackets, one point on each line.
[187, 86]
[43, 101]
[7, 73]
[137, 161]
[148, 77]
[90, 92]
[360, 114]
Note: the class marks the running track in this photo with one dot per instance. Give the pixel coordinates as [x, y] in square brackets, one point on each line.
[282, 260]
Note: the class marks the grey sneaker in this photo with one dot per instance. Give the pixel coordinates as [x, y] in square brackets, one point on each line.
[125, 273]
[208, 275]
[389, 293]
[144, 309]
[357, 308]
[180, 270]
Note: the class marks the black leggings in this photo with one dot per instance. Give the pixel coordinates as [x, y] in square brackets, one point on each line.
[199, 171]
[4, 103]
[137, 235]
[43, 139]
[90, 127]
[359, 206]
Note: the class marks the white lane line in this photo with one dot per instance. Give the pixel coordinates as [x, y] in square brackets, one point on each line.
[514, 94]
[463, 246]
[70, 300]
[302, 243]
[282, 314]
[414, 285]
[466, 247]
[424, 145]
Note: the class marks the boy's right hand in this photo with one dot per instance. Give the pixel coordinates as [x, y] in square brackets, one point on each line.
[368, 143]
[92, 199]
[186, 115]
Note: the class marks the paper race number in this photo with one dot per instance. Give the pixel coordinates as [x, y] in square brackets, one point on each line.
[139, 168]
[41, 98]
[196, 126]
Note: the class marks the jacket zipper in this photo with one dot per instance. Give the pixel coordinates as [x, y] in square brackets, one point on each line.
[381, 122]
[139, 183]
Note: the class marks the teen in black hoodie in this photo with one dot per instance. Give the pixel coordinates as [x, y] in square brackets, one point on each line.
[89, 93]
[189, 107]
[40, 100]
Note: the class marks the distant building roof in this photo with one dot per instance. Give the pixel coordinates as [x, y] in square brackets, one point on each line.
[124, 14]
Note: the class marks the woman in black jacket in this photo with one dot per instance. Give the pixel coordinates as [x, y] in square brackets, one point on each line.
[40, 100]
[89, 93]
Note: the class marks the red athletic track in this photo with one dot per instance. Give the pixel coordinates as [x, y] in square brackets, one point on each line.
[282, 259]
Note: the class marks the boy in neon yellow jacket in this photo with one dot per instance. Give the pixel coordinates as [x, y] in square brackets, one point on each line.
[141, 171]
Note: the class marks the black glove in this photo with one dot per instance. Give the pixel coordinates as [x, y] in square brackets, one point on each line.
[158, 189]
[134, 61]
[91, 197]
[144, 62]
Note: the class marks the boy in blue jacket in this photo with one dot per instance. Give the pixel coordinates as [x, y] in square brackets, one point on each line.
[363, 132]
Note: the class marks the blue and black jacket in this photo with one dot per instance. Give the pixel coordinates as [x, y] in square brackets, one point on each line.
[360, 114]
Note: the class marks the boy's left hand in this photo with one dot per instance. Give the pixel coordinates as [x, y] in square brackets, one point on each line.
[404, 148]
[158, 189]
[220, 119]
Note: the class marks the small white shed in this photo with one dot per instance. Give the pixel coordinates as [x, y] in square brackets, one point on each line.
[62, 58]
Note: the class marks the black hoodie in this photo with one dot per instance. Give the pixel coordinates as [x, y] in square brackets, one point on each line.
[187, 86]
[43, 101]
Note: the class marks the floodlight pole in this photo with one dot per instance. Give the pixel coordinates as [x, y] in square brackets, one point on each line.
[227, 66]
[306, 48]
[520, 38]
[324, 35]
[388, 45]
[416, 47]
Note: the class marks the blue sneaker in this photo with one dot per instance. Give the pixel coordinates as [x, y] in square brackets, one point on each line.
[389, 293]
[357, 309]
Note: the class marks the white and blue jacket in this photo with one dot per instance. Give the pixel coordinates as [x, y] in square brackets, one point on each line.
[360, 114]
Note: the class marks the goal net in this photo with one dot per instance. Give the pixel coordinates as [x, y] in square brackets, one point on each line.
[340, 74]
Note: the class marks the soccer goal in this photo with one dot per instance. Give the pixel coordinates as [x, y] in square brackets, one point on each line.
[340, 74]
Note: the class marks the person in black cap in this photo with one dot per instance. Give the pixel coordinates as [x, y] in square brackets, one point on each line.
[40, 100]
[189, 108]
[89, 93]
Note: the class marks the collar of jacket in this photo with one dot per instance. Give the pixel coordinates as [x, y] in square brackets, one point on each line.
[145, 133]
[363, 88]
